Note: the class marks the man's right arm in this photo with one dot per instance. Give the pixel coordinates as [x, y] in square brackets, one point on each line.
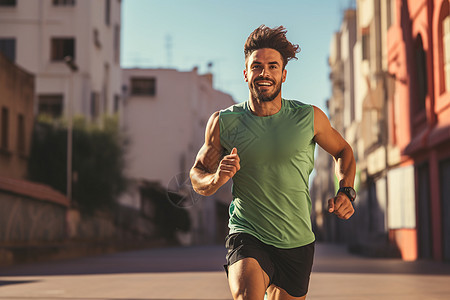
[210, 170]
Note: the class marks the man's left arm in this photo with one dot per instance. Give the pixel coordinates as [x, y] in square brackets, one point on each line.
[331, 141]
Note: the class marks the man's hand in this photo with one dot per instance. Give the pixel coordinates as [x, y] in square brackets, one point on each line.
[228, 166]
[209, 171]
[341, 206]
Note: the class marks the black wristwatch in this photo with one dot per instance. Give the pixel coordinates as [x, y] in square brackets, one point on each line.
[348, 191]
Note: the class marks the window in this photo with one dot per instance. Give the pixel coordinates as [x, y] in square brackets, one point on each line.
[8, 48]
[97, 39]
[446, 48]
[51, 105]
[62, 47]
[63, 2]
[107, 12]
[365, 40]
[116, 44]
[390, 12]
[116, 103]
[421, 64]
[5, 128]
[21, 147]
[95, 105]
[7, 2]
[105, 88]
[143, 86]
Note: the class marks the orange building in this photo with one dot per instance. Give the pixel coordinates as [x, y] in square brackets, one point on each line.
[16, 118]
[418, 45]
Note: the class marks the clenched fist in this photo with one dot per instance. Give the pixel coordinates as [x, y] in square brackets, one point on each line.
[341, 206]
[228, 166]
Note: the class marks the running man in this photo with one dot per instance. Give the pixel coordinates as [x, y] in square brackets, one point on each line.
[266, 145]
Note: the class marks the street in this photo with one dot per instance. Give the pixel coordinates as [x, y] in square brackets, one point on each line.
[197, 273]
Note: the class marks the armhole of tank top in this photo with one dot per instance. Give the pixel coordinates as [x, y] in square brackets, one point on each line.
[312, 122]
[220, 127]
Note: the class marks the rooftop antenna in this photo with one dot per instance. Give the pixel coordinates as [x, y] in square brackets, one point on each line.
[210, 65]
[169, 50]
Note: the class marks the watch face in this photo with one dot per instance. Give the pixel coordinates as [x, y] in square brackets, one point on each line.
[351, 192]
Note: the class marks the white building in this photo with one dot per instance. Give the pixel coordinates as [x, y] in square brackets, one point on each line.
[341, 107]
[39, 34]
[165, 116]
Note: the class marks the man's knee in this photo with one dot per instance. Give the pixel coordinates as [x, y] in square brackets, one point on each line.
[243, 292]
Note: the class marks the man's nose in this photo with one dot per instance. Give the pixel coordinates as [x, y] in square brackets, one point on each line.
[263, 72]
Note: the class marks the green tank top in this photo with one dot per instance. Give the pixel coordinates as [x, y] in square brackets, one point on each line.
[270, 192]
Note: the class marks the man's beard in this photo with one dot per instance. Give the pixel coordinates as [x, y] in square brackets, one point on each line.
[264, 96]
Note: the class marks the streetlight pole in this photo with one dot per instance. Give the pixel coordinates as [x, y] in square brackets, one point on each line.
[73, 68]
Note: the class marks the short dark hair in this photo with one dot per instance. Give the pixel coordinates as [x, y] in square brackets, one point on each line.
[274, 38]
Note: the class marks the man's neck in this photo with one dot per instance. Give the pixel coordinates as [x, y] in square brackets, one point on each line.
[265, 108]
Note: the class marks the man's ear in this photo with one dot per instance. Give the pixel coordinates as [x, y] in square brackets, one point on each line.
[245, 76]
[283, 77]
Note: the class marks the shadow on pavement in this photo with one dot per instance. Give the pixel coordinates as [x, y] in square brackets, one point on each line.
[336, 259]
[9, 282]
[159, 260]
[328, 259]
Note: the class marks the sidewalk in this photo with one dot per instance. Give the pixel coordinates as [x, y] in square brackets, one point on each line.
[340, 276]
[196, 273]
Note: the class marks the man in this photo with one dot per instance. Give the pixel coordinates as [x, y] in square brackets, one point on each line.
[269, 145]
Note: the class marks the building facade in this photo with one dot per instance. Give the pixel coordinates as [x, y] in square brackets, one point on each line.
[40, 36]
[387, 185]
[165, 116]
[16, 118]
[398, 125]
[341, 108]
[418, 44]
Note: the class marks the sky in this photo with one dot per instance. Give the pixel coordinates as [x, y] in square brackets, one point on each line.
[183, 34]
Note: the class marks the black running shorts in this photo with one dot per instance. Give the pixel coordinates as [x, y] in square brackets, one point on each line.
[288, 269]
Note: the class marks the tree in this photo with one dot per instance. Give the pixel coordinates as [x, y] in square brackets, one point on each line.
[98, 160]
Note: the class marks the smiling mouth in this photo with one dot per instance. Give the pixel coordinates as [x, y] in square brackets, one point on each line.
[264, 83]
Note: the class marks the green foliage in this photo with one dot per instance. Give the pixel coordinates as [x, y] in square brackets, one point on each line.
[98, 160]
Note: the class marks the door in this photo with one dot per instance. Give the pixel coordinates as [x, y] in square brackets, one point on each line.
[424, 226]
[445, 200]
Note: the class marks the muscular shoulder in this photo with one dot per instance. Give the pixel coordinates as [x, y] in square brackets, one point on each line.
[214, 120]
[298, 107]
[236, 108]
[299, 111]
[295, 104]
[212, 127]
[321, 121]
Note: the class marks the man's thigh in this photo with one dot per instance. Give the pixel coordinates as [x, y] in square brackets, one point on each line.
[293, 270]
[247, 279]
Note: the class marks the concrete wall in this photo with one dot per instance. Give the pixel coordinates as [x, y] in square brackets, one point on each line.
[31, 212]
[24, 220]
[37, 223]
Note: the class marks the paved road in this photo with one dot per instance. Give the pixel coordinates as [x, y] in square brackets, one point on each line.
[196, 273]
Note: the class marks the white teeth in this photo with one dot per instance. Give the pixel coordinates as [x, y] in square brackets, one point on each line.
[264, 83]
